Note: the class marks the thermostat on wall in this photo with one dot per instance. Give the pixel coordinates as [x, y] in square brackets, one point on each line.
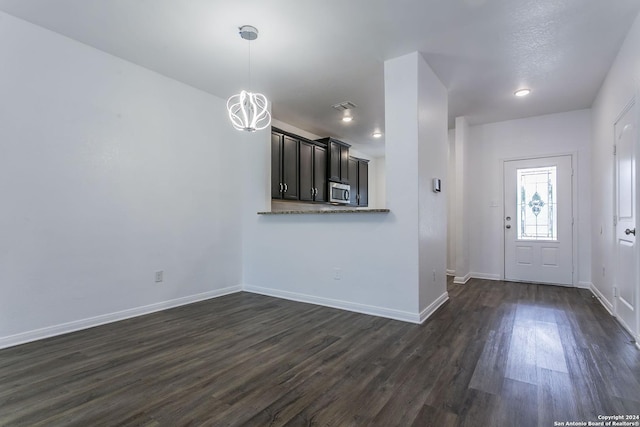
[436, 185]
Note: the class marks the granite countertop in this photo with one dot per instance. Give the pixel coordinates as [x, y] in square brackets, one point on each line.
[325, 212]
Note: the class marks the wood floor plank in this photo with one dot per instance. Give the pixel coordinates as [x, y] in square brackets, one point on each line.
[429, 416]
[497, 353]
[556, 398]
[518, 404]
[489, 373]
[521, 362]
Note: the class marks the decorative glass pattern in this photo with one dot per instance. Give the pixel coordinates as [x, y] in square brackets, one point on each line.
[537, 219]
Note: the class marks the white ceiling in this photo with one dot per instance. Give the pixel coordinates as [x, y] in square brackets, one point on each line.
[313, 54]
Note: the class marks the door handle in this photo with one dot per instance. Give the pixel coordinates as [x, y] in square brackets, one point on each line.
[627, 231]
[507, 226]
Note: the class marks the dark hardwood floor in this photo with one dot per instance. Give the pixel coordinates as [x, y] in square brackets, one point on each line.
[497, 354]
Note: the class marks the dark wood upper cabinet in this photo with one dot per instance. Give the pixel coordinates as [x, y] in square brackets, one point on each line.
[363, 183]
[313, 172]
[307, 190]
[290, 168]
[301, 169]
[338, 161]
[344, 164]
[334, 162]
[276, 165]
[353, 172]
[284, 167]
[359, 180]
[320, 173]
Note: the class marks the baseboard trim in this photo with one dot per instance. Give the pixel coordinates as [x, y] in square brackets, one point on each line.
[77, 325]
[388, 313]
[428, 312]
[451, 272]
[461, 280]
[584, 285]
[485, 276]
[605, 302]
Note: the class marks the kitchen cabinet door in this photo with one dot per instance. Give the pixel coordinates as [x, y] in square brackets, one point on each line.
[290, 168]
[320, 173]
[284, 167]
[307, 189]
[363, 183]
[359, 181]
[276, 165]
[344, 164]
[334, 162]
[353, 172]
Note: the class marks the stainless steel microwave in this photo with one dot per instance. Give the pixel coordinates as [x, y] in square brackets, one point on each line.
[339, 193]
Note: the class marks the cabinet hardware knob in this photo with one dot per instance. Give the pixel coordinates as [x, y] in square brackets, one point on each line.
[286, 188]
[627, 231]
[281, 187]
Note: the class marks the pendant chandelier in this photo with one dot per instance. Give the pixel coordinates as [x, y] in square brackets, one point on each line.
[247, 110]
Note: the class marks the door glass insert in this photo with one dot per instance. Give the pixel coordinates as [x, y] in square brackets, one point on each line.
[536, 210]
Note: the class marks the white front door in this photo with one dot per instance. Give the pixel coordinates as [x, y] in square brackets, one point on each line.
[538, 220]
[626, 303]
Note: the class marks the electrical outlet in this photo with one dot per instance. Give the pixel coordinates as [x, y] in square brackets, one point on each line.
[159, 276]
[337, 273]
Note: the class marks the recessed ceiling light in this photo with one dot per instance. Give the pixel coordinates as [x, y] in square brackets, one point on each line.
[377, 134]
[347, 118]
[522, 92]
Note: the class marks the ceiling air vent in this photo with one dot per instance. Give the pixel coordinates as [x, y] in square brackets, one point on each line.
[347, 105]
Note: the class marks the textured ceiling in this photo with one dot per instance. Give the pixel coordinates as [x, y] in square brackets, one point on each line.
[311, 55]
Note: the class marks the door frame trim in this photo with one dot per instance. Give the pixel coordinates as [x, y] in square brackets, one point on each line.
[575, 260]
[614, 303]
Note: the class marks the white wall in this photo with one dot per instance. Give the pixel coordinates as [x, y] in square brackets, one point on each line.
[620, 85]
[295, 256]
[433, 148]
[108, 172]
[449, 189]
[489, 145]
[462, 214]
[380, 178]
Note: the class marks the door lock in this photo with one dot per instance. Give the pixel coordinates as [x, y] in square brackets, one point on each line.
[627, 231]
